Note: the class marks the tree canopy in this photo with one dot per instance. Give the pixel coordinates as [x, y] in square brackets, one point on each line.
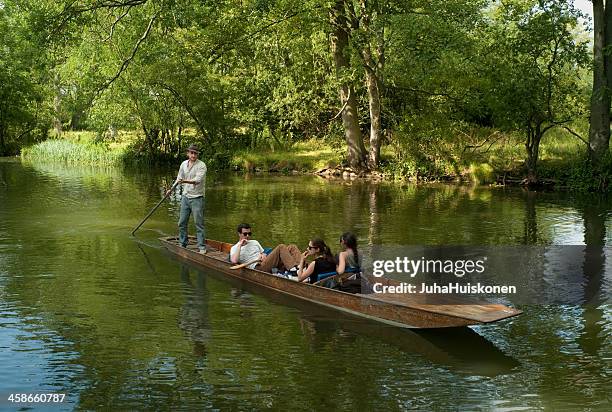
[368, 73]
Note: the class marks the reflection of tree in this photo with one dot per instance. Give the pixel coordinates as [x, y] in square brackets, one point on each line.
[530, 225]
[3, 176]
[574, 335]
[373, 235]
[193, 315]
[292, 210]
[594, 218]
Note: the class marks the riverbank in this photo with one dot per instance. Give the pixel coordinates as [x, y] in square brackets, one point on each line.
[563, 163]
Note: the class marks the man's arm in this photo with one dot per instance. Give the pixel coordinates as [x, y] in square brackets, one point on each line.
[179, 179]
[262, 255]
[235, 252]
[200, 175]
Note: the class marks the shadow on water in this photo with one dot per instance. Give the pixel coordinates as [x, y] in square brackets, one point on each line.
[459, 349]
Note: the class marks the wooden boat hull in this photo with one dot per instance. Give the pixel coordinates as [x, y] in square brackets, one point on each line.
[395, 310]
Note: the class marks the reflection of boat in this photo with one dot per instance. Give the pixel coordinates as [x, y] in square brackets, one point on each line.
[395, 309]
[458, 349]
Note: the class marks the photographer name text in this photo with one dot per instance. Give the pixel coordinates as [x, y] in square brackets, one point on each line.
[444, 289]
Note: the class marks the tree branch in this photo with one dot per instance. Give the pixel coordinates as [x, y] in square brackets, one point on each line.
[218, 51]
[112, 30]
[576, 134]
[72, 10]
[343, 107]
[182, 101]
[127, 61]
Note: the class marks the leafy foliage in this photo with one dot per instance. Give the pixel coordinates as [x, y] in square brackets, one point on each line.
[259, 75]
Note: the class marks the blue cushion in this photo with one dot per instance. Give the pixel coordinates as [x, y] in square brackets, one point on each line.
[326, 275]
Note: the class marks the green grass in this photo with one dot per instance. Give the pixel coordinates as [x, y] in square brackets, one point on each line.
[73, 151]
[307, 156]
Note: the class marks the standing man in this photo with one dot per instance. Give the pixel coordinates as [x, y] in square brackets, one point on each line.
[192, 176]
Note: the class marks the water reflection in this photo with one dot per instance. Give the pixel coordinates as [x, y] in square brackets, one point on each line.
[193, 315]
[594, 216]
[461, 350]
[116, 322]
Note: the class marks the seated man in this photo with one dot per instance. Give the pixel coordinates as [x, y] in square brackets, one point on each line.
[246, 250]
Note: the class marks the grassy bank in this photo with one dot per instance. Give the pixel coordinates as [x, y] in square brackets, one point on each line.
[487, 158]
[76, 147]
[484, 157]
[306, 157]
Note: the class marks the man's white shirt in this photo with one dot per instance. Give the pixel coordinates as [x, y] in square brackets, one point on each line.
[248, 252]
[196, 173]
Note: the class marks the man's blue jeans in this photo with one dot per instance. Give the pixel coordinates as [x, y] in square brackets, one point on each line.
[195, 206]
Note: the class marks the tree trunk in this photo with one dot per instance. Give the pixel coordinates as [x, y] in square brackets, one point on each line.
[350, 119]
[179, 140]
[375, 118]
[112, 132]
[75, 120]
[534, 135]
[2, 141]
[149, 136]
[373, 83]
[57, 107]
[599, 126]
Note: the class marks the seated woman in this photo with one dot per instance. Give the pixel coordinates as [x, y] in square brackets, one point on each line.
[348, 259]
[348, 267]
[323, 261]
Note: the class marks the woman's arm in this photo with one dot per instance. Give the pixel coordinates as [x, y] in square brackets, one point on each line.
[303, 274]
[341, 263]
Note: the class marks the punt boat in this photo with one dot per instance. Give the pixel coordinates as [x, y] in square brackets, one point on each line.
[402, 310]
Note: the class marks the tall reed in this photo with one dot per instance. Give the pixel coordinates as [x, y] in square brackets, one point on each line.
[70, 152]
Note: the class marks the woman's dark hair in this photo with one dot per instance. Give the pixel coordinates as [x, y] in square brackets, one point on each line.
[243, 226]
[350, 240]
[325, 250]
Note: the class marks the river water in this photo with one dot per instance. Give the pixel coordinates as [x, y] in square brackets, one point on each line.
[114, 322]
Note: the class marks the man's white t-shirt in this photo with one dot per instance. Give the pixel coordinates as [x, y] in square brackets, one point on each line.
[248, 252]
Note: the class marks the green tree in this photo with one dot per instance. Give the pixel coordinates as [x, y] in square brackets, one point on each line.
[599, 126]
[24, 108]
[534, 72]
